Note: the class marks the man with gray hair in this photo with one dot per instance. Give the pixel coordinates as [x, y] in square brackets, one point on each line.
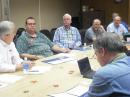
[116, 26]
[67, 36]
[112, 80]
[9, 57]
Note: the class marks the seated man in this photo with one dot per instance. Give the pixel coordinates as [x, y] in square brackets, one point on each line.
[67, 36]
[9, 57]
[122, 22]
[114, 76]
[32, 43]
[116, 26]
[93, 31]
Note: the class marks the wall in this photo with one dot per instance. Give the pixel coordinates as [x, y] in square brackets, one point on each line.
[48, 14]
[129, 12]
[109, 6]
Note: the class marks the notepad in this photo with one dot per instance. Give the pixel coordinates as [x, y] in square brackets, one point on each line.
[58, 60]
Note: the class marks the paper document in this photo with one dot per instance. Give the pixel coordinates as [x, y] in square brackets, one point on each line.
[78, 90]
[58, 60]
[8, 78]
[81, 48]
[2, 85]
[39, 69]
[62, 95]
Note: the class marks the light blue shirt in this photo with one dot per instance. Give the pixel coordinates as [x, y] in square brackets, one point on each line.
[67, 38]
[119, 30]
[112, 78]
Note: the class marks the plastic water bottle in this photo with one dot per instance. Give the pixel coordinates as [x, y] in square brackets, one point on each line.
[25, 66]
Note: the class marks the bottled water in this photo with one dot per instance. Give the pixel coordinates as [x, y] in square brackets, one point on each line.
[25, 66]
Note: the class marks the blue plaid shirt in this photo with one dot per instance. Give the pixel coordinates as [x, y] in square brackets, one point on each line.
[67, 38]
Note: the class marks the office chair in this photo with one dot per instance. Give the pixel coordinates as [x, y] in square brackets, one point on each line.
[18, 33]
[46, 33]
[82, 34]
[53, 32]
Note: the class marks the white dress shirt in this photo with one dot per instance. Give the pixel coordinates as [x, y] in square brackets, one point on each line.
[9, 57]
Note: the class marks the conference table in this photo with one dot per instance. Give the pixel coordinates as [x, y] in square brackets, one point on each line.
[59, 78]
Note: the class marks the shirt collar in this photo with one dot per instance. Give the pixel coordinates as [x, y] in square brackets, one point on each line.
[67, 28]
[118, 57]
[4, 43]
[30, 35]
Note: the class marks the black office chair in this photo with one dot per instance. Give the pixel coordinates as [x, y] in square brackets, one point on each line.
[82, 33]
[46, 33]
[119, 95]
[53, 32]
[18, 33]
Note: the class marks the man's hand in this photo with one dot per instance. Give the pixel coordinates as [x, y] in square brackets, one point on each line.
[20, 66]
[65, 50]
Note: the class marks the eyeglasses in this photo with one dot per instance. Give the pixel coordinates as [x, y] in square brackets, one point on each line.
[31, 23]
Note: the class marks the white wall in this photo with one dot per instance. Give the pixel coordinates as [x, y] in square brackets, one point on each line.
[51, 11]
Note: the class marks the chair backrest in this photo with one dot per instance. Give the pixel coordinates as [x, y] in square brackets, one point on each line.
[18, 33]
[82, 33]
[53, 32]
[46, 33]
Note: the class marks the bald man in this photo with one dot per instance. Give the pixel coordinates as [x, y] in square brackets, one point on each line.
[93, 31]
[116, 26]
[67, 36]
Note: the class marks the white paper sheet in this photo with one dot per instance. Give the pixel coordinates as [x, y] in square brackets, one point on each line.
[62, 95]
[78, 90]
[59, 60]
[2, 85]
[8, 78]
[39, 69]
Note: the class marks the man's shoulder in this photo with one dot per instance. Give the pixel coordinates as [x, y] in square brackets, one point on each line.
[114, 69]
[23, 35]
[89, 30]
[60, 28]
[122, 26]
[73, 27]
[111, 24]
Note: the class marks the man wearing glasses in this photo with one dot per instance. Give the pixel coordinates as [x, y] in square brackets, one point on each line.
[112, 80]
[32, 43]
